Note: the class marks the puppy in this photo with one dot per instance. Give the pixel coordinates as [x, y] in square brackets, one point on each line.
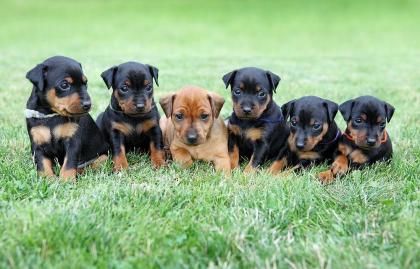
[257, 130]
[365, 140]
[59, 126]
[313, 132]
[192, 128]
[131, 120]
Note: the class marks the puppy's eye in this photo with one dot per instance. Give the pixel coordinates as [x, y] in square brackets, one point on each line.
[149, 88]
[382, 125]
[261, 94]
[316, 126]
[237, 92]
[124, 88]
[358, 121]
[204, 117]
[179, 116]
[64, 85]
[293, 123]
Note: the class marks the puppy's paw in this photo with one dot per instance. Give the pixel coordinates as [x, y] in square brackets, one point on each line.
[249, 169]
[68, 174]
[326, 177]
[120, 163]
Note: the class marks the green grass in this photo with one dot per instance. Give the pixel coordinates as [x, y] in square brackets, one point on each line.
[176, 218]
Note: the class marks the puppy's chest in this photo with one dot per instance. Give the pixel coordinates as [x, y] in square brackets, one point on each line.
[51, 134]
[354, 154]
[133, 129]
[247, 133]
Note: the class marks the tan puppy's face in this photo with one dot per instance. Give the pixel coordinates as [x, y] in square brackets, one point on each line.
[192, 111]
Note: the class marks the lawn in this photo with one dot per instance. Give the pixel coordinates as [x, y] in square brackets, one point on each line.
[176, 218]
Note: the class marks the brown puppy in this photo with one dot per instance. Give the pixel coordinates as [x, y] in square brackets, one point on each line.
[192, 129]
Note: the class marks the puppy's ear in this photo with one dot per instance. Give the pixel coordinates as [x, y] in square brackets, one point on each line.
[346, 108]
[273, 79]
[389, 110]
[332, 109]
[216, 102]
[155, 73]
[37, 76]
[287, 109]
[229, 77]
[108, 76]
[166, 102]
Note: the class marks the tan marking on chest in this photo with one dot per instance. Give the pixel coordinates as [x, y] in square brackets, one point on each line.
[234, 129]
[357, 156]
[41, 134]
[66, 130]
[145, 126]
[308, 155]
[254, 134]
[123, 127]
[344, 149]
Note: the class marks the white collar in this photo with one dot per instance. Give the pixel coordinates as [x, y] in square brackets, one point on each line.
[29, 113]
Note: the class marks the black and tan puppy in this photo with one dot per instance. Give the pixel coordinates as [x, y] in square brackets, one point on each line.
[131, 121]
[365, 140]
[257, 130]
[313, 132]
[56, 116]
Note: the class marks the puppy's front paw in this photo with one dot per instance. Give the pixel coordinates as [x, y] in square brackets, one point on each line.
[249, 169]
[326, 176]
[158, 160]
[120, 163]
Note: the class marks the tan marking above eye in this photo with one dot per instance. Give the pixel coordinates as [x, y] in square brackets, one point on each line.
[65, 130]
[69, 80]
[241, 85]
[312, 122]
[254, 134]
[363, 116]
[127, 82]
[146, 82]
[41, 134]
[123, 127]
[379, 119]
[258, 88]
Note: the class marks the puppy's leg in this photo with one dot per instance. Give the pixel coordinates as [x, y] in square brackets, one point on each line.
[118, 151]
[280, 163]
[69, 167]
[44, 165]
[222, 163]
[181, 156]
[260, 149]
[339, 166]
[233, 151]
[157, 154]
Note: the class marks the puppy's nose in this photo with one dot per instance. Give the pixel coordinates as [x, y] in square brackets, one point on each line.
[140, 106]
[371, 141]
[246, 109]
[86, 105]
[192, 137]
[300, 144]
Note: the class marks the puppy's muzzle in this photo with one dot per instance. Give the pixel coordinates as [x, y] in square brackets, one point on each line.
[192, 136]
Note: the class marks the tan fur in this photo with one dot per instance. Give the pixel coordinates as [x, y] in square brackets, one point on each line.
[66, 130]
[277, 166]
[339, 166]
[212, 142]
[120, 160]
[249, 168]
[254, 134]
[314, 140]
[344, 149]
[67, 173]
[234, 157]
[65, 106]
[47, 168]
[145, 126]
[358, 157]
[127, 105]
[234, 129]
[41, 134]
[157, 156]
[308, 155]
[123, 127]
